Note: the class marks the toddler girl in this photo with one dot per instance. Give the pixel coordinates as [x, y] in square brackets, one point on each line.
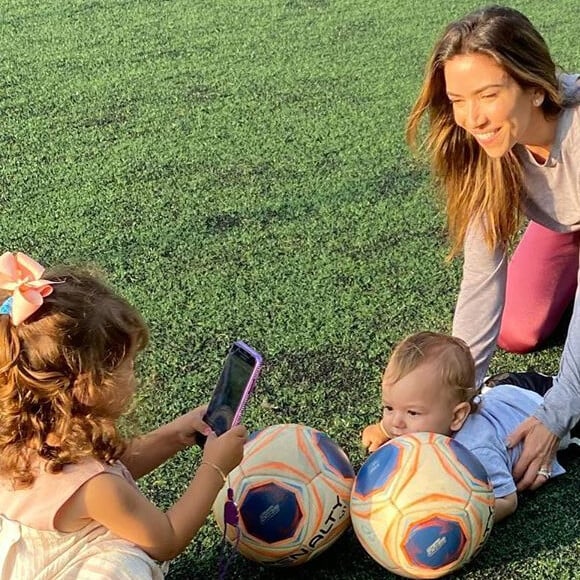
[69, 505]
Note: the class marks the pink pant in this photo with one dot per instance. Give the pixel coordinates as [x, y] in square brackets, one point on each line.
[541, 284]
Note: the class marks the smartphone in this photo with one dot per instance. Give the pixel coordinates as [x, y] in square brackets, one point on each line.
[236, 382]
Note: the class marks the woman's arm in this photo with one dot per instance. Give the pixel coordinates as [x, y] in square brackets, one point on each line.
[479, 307]
[557, 414]
[145, 453]
[560, 410]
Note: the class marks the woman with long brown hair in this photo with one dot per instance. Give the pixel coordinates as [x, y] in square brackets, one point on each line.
[503, 137]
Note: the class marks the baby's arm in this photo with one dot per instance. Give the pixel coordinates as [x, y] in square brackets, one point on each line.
[494, 457]
[145, 453]
[505, 506]
[130, 515]
[374, 436]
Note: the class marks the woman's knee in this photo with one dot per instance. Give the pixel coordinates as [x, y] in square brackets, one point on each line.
[518, 337]
[541, 284]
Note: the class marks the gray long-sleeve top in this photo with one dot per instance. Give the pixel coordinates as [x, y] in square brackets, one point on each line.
[553, 201]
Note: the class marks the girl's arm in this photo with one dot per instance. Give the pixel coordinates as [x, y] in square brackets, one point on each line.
[145, 453]
[130, 515]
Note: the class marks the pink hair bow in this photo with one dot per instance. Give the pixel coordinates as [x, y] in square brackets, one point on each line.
[21, 275]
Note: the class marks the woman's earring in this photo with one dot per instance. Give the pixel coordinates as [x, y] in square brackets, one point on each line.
[538, 100]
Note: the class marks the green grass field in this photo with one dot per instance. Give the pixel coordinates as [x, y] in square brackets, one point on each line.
[239, 170]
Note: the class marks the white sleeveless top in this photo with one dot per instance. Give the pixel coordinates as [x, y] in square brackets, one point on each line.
[32, 549]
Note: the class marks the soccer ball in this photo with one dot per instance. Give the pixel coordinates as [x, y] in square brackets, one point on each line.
[422, 505]
[292, 490]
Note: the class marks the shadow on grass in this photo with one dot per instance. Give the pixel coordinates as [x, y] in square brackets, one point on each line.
[546, 521]
[544, 528]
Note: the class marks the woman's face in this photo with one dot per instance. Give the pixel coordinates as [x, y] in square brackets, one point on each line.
[490, 105]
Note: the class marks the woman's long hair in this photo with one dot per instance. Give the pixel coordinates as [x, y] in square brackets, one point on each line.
[60, 395]
[478, 187]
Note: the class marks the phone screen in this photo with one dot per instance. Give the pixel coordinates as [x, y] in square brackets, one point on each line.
[237, 372]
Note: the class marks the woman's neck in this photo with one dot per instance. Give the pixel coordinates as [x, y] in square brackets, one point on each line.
[539, 141]
[540, 154]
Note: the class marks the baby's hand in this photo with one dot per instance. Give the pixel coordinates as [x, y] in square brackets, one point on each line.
[373, 437]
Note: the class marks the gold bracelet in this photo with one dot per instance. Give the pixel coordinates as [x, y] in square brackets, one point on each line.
[217, 468]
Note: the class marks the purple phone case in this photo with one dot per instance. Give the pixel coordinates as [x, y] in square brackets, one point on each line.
[251, 381]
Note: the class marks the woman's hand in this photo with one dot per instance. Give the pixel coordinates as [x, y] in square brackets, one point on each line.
[533, 468]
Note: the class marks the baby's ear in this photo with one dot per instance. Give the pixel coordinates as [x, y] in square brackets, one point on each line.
[460, 414]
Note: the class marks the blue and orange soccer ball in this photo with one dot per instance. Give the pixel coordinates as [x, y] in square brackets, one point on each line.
[422, 505]
[292, 489]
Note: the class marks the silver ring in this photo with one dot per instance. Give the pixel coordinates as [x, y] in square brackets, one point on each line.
[545, 472]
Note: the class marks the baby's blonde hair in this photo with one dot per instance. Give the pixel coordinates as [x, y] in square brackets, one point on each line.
[454, 362]
[59, 395]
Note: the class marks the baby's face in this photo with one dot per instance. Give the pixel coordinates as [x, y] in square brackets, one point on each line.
[418, 402]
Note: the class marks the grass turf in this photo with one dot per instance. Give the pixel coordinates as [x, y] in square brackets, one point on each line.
[239, 170]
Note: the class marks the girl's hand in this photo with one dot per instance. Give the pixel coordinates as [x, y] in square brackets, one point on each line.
[535, 463]
[227, 450]
[149, 451]
[373, 437]
[191, 423]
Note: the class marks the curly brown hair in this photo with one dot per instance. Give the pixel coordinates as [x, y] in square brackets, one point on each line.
[60, 396]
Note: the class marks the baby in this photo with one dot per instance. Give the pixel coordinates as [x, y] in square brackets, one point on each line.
[429, 385]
